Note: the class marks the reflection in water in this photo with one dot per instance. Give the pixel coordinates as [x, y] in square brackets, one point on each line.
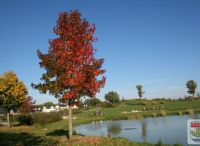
[144, 130]
[193, 116]
[170, 130]
[96, 126]
[114, 129]
[155, 121]
[164, 120]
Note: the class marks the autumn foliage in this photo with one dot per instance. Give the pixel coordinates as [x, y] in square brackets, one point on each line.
[27, 106]
[13, 92]
[72, 71]
[71, 68]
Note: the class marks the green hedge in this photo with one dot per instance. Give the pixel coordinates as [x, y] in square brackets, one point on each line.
[45, 118]
[39, 118]
[25, 119]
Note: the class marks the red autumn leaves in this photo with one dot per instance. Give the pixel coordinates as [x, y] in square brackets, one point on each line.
[71, 69]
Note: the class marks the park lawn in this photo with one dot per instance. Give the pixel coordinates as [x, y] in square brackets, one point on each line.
[28, 139]
[171, 108]
[56, 136]
[55, 133]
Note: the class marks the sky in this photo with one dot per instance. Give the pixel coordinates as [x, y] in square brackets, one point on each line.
[154, 43]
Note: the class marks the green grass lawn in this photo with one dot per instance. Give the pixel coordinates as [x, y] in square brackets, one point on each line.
[55, 133]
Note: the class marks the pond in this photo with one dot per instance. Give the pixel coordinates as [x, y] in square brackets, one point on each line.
[169, 130]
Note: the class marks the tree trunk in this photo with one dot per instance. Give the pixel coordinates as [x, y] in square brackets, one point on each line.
[8, 119]
[11, 120]
[70, 122]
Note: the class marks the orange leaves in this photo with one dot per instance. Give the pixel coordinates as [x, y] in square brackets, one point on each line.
[71, 95]
[70, 63]
[88, 36]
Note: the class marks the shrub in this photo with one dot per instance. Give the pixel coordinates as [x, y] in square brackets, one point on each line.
[25, 119]
[144, 103]
[3, 118]
[154, 114]
[163, 113]
[162, 102]
[137, 116]
[120, 117]
[153, 102]
[92, 102]
[180, 113]
[189, 112]
[45, 118]
[105, 105]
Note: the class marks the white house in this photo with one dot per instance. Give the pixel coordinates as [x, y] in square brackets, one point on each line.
[47, 110]
[56, 108]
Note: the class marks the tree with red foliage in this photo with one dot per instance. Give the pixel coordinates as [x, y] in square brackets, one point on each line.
[27, 106]
[72, 71]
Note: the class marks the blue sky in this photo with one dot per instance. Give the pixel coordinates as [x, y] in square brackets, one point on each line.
[154, 43]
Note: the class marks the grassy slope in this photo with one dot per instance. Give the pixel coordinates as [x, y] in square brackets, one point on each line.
[43, 135]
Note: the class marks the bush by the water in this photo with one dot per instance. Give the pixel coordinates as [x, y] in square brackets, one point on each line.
[189, 112]
[163, 113]
[135, 116]
[45, 118]
[25, 119]
[154, 114]
[180, 113]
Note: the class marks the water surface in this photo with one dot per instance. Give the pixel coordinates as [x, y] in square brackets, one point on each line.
[170, 130]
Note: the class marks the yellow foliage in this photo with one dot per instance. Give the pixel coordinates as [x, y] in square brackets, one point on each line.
[12, 91]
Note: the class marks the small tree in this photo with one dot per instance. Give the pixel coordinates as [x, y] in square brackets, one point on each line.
[27, 106]
[72, 71]
[191, 85]
[48, 104]
[112, 97]
[13, 93]
[140, 91]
